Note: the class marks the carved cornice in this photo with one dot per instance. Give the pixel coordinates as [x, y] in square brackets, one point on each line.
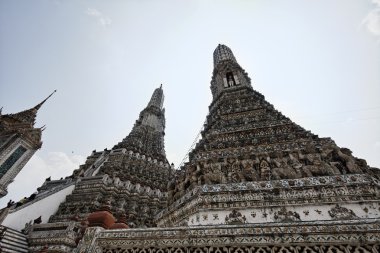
[249, 234]
[275, 193]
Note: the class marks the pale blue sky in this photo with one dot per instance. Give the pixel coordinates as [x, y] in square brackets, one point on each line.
[318, 62]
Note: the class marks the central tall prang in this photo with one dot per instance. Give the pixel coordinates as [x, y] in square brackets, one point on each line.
[254, 165]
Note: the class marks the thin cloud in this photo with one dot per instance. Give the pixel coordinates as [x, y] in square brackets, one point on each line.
[102, 19]
[349, 120]
[372, 20]
[55, 165]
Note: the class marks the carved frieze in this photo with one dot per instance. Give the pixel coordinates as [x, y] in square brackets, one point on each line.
[342, 213]
[235, 218]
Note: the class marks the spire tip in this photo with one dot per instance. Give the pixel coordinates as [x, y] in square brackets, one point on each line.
[40, 104]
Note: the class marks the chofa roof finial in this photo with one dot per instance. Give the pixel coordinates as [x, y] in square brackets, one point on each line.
[40, 104]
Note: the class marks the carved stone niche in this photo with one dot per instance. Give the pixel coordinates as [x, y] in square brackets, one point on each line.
[342, 213]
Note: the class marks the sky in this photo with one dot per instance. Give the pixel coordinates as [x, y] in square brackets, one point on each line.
[317, 62]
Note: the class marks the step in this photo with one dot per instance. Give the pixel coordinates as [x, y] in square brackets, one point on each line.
[13, 241]
[17, 243]
[14, 234]
[11, 248]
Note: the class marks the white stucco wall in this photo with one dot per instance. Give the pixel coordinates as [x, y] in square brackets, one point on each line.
[44, 208]
[364, 210]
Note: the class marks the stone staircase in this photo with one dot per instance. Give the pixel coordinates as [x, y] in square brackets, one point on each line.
[12, 240]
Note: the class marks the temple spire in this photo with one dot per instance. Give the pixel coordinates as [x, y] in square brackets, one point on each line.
[223, 53]
[19, 141]
[37, 107]
[228, 75]
[29, 115]
[157, 99]
[147, 135]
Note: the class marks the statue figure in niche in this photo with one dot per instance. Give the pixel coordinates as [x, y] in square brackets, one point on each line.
[248, 170]
[283, 170]
[213, 174]
[296, 165]
[326, 152]
[230, 79]
[265, 170]
[327, 157]
[235, 174]
[191, 180]
[345, 156]
[361, 163]
[315, 166]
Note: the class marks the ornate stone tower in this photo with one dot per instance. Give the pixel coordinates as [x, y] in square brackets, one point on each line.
[147, 135]
[132, 176]
[251, 149]
[255, 183]
[19, 140]
[258, 182]
[128, 182]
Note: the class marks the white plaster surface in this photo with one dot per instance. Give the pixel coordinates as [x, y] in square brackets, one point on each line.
[306, 212]
[44, 208]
